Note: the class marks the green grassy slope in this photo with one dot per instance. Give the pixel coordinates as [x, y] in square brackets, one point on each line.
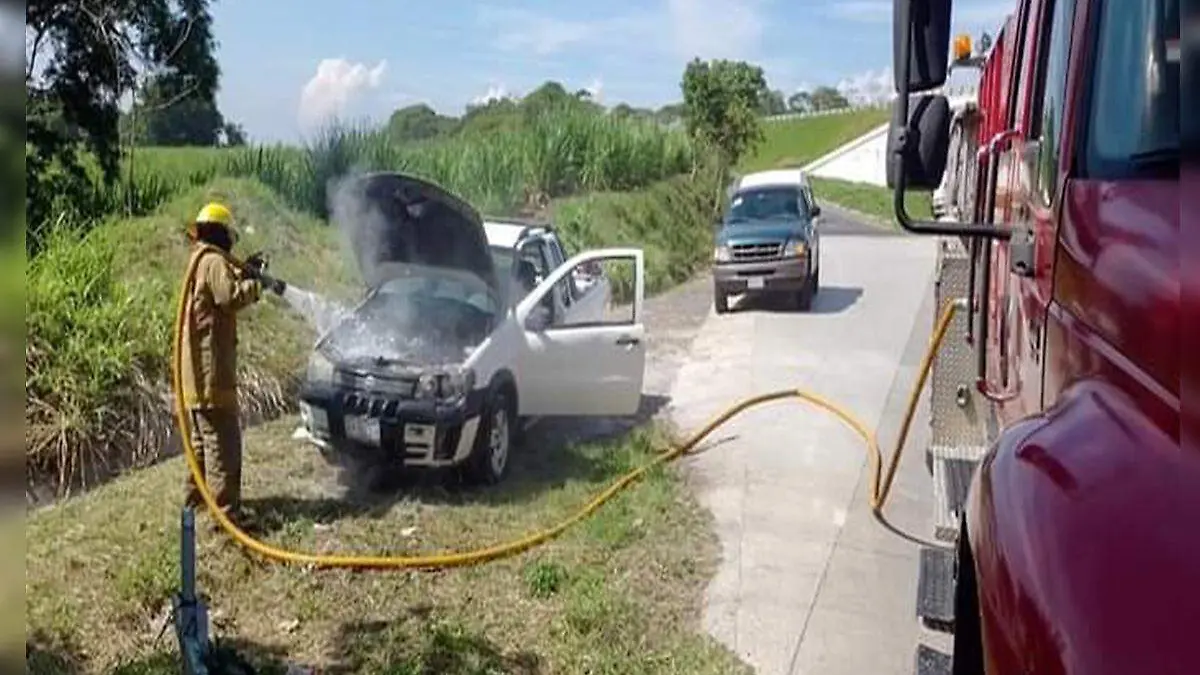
[872, 200]
[99, 311]
[800, 141]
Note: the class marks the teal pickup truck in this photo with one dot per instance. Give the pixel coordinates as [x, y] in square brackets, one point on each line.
[768, 240]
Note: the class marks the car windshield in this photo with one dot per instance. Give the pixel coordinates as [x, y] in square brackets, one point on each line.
[426, 286]
[764, 204]
[1134, 125]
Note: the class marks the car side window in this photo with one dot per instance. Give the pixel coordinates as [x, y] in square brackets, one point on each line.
[532, 266]
[569, 290]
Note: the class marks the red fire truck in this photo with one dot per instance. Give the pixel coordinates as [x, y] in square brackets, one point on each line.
[1068, 503]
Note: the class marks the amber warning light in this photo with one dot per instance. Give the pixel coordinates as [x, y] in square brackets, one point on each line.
[962, 47]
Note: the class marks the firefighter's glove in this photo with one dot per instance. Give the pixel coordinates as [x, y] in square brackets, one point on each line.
[272, 284]
[255, 265]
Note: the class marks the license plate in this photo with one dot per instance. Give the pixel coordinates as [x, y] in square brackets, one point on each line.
[362, 429]
[754, 283]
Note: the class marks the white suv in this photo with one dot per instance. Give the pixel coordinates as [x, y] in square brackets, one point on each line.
[450, 350]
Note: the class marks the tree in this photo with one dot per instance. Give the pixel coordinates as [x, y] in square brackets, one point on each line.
[180, 98]
[721, 104]
[232, 134]
[624, 111]
[773, 103]
[546, 97]
[169, 116]
[800, 101]
[419, 122]
[81, 59]
[828, 98]
[670, 113]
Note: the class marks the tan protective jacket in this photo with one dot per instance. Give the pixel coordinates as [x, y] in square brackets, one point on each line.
[209, 344]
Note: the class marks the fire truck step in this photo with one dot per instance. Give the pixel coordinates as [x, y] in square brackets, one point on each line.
[935, 589]
[952, 473]
[932, 662]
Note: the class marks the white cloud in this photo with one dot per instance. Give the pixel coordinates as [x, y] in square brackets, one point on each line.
[336, 84]
[872, 86]
[495, 92]
[596, 89]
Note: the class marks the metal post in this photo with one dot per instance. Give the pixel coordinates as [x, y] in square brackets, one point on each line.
[191, 616]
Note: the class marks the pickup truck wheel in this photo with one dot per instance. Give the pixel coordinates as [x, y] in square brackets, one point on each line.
[720, 302]
[805, 297]
[488, 463]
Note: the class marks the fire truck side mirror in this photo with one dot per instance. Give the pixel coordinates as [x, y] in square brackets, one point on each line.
[927, 23]
[919, 145]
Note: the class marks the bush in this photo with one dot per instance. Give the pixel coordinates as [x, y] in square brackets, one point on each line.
[554, 152]
[100, 307]
[670, 220]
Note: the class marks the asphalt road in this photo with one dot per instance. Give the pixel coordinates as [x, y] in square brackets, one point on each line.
[809, 582]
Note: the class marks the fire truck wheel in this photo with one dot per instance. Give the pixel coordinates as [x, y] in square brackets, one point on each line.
[968, 631]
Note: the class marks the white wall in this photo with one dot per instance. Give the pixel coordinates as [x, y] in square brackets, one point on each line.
[864, 159]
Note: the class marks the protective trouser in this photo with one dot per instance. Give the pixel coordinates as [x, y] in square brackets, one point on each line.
[217, 438]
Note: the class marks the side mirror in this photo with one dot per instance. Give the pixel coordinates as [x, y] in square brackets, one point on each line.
[927, 24]
[816, 211]
[925, 136]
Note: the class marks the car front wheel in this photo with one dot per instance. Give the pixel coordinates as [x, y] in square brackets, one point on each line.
[489, 459]
[720, 302]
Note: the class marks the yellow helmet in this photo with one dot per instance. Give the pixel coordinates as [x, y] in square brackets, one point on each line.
[214, 213]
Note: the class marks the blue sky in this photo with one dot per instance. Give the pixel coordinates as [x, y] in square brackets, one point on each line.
[289, 64]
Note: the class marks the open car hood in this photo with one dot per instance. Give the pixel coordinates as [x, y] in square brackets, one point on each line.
[396, 222]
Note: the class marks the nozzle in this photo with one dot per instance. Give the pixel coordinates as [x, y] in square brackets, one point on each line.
[277, 286]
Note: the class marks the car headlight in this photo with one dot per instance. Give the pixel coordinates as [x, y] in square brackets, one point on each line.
[448, 385]
[721, 254]
[320, 369]
[427, 386]
[456, 383]
[795, 247]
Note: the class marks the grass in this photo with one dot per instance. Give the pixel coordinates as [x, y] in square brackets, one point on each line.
[99, 311]
[872, 200]
[553, 153]
[799, 141]
[618, 594]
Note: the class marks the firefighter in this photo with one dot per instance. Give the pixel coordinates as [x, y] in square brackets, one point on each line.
[221, 288]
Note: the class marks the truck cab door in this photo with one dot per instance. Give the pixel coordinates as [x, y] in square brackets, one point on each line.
[1037, 170]
[589, 366]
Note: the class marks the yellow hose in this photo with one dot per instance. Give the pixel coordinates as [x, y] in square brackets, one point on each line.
[878, 496]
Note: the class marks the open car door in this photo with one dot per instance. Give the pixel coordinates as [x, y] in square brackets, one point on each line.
[580, 365]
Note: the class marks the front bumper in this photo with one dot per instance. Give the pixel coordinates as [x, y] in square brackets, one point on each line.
[417, 433]
[781, 274]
